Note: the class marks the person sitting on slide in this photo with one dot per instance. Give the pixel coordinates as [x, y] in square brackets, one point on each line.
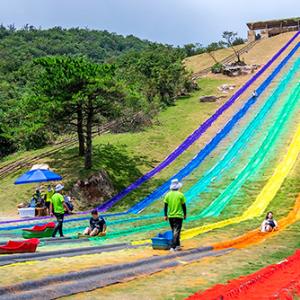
[269, 224]
[97, 225]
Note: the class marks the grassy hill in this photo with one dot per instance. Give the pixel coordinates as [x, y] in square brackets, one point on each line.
[259, 54]
[139, 152]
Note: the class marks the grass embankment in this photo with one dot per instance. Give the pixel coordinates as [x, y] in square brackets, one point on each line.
[125, 156]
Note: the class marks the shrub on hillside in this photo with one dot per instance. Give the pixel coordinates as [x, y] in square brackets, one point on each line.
[217, 68]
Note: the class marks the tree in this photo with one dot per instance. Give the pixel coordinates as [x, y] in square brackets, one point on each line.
[238, 41]
[81, 93]
[212, 47]
[193, 49]
[157, 72]
[230, 37]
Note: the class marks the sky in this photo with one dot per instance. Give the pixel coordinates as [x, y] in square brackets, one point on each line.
[175, 22]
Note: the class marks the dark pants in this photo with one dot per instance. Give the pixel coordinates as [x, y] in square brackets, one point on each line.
[176, 225]
[59, 225]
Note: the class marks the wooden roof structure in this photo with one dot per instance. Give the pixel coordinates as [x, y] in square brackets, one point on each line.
[290, 22]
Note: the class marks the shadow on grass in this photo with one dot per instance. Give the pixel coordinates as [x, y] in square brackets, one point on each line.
[122, 167]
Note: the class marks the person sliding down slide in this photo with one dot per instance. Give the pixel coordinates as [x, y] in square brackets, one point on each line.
[97, 225]
[175, 211]
[269, 224]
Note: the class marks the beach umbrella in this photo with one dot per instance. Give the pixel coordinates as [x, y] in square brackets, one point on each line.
[38, 175]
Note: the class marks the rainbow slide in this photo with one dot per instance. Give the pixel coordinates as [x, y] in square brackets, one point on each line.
[190, 140]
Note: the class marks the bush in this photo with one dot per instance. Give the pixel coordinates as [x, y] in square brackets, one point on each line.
[238, 41]
[217, 68]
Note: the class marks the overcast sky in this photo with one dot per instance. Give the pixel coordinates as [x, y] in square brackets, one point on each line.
[174, 22]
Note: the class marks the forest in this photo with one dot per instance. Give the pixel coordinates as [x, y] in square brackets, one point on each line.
[68, 81]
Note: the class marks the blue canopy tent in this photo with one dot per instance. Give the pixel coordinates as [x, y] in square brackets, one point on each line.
[38, 175]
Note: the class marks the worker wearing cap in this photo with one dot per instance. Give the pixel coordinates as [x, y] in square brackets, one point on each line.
[175, 212]
[57, 208]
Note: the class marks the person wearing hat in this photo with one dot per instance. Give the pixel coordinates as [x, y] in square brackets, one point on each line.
[57, 208]
[175, 212]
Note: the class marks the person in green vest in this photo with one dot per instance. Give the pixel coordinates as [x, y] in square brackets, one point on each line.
[48, 195]
[175, 212]
[57, 208]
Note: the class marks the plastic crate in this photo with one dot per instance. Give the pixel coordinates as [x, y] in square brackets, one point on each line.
[162, 241]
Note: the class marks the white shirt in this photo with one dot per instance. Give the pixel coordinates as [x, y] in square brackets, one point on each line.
[265, 224]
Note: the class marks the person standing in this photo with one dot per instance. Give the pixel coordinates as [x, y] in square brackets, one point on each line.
[57, 208]
[175, 212]
[48, 195]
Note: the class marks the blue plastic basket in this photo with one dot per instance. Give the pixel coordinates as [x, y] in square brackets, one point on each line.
[162, 241]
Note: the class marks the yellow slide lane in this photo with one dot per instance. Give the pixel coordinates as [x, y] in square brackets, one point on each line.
[262, 200]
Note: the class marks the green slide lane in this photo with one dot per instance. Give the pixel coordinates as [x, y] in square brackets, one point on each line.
[236, 150]
[219, 204]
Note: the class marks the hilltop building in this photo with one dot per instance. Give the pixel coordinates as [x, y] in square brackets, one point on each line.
[266, 29]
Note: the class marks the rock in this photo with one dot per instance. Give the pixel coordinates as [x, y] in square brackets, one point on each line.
[208, 99]
[94, 190]
[226, 87]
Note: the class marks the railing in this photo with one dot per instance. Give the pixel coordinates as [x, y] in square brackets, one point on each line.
[227, 59]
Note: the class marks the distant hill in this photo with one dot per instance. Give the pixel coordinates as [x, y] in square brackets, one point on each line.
[20, 46]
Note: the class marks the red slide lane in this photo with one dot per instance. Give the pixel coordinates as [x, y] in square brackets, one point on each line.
[278, 281]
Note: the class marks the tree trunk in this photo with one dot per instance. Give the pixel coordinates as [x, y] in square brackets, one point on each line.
[213, 57]
[88, 151]
[80, 130]
[237, 54]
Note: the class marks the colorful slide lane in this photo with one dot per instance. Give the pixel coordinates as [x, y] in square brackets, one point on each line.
[155, 264]
[273, 132]
[228, 160]
[208, 123]
[256, 236]
[264, 198]
[216, 207]
[204, 153]
[217, 114]
[236, 148]
[277, 281]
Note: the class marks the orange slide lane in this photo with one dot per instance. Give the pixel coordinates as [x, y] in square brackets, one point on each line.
[256, 236]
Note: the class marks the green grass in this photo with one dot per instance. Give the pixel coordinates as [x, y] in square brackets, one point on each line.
[201, 275]
[125, 156]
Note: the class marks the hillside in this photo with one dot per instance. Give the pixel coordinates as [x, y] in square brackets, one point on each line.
[144, 149]
[238, 158]
[259, 54]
